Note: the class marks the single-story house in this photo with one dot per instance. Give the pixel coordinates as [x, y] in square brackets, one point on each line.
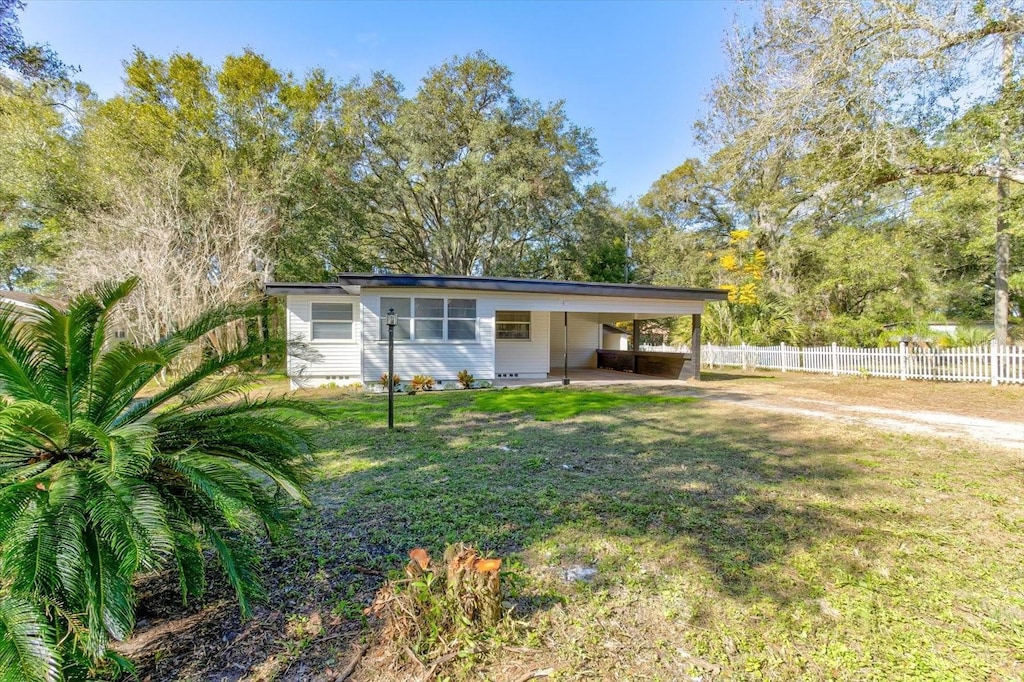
[493, 327]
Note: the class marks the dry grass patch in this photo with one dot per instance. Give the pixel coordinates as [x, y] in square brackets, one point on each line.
[1004, 402]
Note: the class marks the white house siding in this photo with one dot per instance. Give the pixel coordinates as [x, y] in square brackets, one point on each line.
[337, 362]
[584, 340]
[442, 360]
[525, 359]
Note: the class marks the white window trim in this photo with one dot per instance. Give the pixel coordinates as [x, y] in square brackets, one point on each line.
[334, 342]
[529, 325]
[412, 323]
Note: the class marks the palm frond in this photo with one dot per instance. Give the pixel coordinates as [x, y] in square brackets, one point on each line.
[208, 367]
[18, 359]
[28, 648]
[110, 606]
[238, 565]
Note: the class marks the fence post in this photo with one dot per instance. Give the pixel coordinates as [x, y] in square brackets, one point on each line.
[783, 354]
[835, 359]
[995, 363]
[903, 360]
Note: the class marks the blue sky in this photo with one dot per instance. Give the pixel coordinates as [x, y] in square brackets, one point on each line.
[635, 73]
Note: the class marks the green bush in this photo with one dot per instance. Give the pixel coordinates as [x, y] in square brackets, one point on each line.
[99, 483]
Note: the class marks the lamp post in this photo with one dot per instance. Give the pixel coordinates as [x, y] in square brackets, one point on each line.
[391, 320]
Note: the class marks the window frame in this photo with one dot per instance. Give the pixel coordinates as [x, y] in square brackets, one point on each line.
[313, 320]
[382, 314]
[519, 323]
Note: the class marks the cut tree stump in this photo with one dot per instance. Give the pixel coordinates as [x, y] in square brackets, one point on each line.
[473, 583]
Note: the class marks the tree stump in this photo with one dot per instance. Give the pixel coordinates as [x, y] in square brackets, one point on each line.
[473, 583]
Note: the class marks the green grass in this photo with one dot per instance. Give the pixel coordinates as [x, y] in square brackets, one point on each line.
[554, 405]
[728, 543]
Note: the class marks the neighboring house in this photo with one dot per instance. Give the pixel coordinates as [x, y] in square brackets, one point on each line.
[27, 304]
[614, 338]
[491, 326]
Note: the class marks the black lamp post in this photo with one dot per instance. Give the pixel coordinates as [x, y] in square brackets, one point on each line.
[391, 320]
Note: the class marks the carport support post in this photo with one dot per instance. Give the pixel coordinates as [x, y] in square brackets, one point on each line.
[565, 349]
[636, 345]
[695, 347]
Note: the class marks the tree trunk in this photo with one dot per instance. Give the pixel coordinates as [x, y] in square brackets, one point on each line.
[1002, 274]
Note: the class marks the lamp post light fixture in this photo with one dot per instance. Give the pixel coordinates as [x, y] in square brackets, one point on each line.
[391, 320]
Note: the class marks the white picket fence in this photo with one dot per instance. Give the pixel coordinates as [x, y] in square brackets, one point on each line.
[994, 363]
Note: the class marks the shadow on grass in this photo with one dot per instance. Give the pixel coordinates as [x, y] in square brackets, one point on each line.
[725, 493]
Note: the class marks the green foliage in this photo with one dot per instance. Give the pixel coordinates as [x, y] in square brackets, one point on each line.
[464, 176]
[801, 135]
[99, 483]
[967, 337]
[29, 60]
[40, 181]
[952, 219]
[395, 380]
[244, 127]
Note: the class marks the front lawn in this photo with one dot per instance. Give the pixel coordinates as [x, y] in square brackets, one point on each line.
[727, 544]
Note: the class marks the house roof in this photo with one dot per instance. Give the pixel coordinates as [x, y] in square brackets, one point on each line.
[612, 329]
[22, 299]
[348, 283]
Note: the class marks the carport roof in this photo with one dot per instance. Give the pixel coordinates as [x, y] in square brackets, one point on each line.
[349, 283]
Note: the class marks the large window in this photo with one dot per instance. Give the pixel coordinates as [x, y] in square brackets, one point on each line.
[430, 319]
[331, 322]
[512, 325]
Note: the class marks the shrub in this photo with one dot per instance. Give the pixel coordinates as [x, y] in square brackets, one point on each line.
[968, 337]
[465, 379]
[395, 380]
[98, 484]
[421, 382]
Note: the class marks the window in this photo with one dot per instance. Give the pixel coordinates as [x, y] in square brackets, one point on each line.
[462, 319]
[430, 319]
[512, 325]
[331, 322]
[403, 309]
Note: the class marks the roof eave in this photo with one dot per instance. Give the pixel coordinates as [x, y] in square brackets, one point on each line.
[513, 285]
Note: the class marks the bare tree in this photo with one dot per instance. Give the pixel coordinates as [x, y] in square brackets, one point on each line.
[188, 259]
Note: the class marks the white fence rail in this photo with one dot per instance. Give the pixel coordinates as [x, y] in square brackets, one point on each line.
[994, 363]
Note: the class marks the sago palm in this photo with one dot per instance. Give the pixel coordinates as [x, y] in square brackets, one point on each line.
[98, 484]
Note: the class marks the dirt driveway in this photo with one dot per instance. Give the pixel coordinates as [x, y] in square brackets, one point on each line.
[990, 414]
[993, 415]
